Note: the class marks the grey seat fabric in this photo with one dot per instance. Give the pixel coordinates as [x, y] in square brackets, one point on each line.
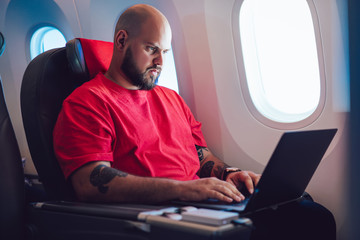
[47, 81]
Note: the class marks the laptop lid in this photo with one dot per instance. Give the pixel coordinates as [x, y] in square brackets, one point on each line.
[290, 168]
[288, 172]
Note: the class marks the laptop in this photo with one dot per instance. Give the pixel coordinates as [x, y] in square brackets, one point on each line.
[287, 174]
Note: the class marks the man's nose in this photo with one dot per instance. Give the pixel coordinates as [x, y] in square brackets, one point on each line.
[158, 60]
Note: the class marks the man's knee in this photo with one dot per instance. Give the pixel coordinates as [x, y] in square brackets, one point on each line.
[314, 220]
[296, 220]
[320, 214]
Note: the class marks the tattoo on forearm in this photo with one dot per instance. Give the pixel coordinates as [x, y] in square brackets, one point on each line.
[219, 170]
[102, 175]
[200, 152]
[206, 169]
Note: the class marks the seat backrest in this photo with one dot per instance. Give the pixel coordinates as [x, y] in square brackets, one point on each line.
[12, 189]
[47, 81]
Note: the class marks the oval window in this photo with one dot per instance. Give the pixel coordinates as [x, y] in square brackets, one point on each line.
[280, 58]
[45, 38]
[168, 77]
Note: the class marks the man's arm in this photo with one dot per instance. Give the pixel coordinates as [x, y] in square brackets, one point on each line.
[211, 166]
[97, 181]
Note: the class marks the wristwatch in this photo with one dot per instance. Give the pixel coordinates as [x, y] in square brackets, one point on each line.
[229, 170]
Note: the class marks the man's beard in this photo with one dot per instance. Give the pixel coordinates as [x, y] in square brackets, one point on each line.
[136, 77]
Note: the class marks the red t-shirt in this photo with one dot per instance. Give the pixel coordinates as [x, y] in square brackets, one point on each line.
[145, 133]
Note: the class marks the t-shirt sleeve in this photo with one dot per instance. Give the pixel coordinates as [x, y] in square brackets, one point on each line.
[195, 126]
[196, 132]
[82, 134]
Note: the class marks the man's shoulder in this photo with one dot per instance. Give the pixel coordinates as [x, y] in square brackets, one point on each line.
[160, 90]
[87, 90]
[170, 96]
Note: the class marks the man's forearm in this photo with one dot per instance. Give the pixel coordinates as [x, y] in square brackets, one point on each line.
[98, 182]
[103, 183]
[210, 165]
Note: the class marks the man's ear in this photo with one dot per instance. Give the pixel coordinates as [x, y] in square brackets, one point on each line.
[120, 39]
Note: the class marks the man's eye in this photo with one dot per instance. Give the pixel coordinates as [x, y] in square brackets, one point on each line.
[152, 49]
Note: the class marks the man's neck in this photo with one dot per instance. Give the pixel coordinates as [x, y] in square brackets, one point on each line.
[120, 80]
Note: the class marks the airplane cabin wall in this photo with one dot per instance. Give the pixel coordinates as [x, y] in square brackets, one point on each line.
[18, 20]
[208, 74]
[231, 131]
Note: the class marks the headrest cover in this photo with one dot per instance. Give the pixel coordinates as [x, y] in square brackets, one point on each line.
[97, 55]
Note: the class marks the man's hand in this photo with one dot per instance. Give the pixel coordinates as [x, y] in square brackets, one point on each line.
[244, 180]
[205, 188]
[211, 166]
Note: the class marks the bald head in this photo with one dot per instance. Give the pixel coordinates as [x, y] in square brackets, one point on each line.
[133, 19]
[142, 38]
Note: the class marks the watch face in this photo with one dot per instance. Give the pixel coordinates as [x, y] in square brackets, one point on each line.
[229, 170]
[232, 169]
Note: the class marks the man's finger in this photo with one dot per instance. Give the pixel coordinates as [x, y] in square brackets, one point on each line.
[230, 190]
[219, 196]
[247, 181]
[255, 177]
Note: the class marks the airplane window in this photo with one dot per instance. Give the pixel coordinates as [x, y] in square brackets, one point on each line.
[280, 58]
[168, 76]
[45, 38]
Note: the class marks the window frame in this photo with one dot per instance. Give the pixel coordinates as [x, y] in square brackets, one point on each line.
[169, 58]
[243, 80]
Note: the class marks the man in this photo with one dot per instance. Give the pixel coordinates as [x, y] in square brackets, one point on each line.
[142, 38]
[120, 138]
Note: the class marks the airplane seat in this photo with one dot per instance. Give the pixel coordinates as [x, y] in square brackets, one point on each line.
[47, 81]
[12, 188]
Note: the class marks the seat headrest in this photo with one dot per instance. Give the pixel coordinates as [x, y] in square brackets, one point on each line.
[2, 43]
[88, 57]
